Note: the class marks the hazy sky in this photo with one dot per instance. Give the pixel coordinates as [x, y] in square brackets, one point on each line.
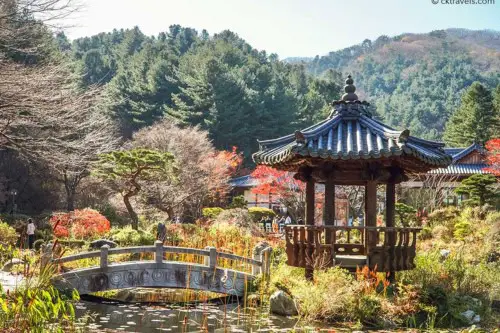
[287, 27]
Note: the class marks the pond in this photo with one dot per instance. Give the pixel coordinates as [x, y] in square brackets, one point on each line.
[207, 317]
[112, 316]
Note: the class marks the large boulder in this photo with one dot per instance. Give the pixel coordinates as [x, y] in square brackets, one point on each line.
[282, 304]
[97, 244]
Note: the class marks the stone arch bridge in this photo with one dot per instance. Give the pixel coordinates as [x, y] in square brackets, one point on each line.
[160, 273]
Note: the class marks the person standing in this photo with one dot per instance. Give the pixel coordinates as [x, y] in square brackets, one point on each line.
[288, 219]
[30, 230]
[161, 232]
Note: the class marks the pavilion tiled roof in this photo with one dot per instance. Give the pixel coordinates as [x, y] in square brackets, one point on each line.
[350, 133]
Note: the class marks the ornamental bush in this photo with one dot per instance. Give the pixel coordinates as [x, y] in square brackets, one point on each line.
[81, 223]
[211, 212]
[257, 213]
[130, 237]
[8, 235]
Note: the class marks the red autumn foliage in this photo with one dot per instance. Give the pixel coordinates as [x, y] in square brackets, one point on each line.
[493, 158]
[272, 181]
[80, 223]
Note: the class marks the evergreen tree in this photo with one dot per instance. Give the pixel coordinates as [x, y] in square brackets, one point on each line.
[496, 108]
[129, 169]
[474, 120]
[480, 189]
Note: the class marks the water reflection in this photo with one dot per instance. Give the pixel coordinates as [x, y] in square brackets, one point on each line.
[112, 317]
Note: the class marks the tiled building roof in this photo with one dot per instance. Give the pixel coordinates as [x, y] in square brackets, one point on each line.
[457, 168]
[461, 169]
[244, 181]
[350, 133]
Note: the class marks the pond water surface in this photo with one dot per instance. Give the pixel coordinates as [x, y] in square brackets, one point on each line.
[112, 316]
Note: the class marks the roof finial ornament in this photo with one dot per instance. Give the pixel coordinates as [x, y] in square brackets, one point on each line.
[349, 89]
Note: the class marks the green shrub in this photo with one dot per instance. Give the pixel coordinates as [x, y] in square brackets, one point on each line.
[8, 235]
[452, 286]
[109, 211]
[406, 215]
[38, 244]
[211, 212]
[368, 310]
[462, 230]
[130, 237]
[441, 232]
[331, 296]
[257, 213]
[444, 216]
[493, 217]
[238, 202]
[426, 233]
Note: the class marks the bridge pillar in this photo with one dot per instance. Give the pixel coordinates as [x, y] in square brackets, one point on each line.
[104, 256]
[262, 253]
[46, 255]
[211, 259]
[158, 252]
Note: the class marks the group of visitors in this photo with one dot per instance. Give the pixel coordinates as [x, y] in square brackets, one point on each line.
[275, 224]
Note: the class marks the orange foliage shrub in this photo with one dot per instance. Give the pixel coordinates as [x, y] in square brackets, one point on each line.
[80, 223]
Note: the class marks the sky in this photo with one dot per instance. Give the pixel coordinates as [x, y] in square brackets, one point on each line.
[290, 28]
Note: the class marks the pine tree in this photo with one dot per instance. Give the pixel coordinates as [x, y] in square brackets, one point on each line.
[496, 108]
[474, 121]
[480, 189]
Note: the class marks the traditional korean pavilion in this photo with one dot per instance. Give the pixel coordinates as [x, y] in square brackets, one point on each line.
[350, 147]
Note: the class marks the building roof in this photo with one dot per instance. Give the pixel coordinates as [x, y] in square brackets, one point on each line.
[350, 133]
[457, 168]
[244, 181]
[461, 169]
[466, 151]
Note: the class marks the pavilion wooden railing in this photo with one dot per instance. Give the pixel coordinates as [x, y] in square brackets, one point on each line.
[387, 248]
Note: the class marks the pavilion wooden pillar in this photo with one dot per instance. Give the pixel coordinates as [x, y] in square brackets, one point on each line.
[390, 211]
[371, 212]
[309, 274]
[329, 207]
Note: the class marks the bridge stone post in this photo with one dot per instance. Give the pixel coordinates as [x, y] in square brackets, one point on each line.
[211, 259]
[159, 252]
[262, 253]
[104, 256]
[46, 255]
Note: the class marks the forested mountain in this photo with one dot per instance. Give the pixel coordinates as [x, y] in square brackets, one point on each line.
[240, 94]
[218, 82]
[416, 80]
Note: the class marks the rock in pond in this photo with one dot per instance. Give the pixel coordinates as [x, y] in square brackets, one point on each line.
[97, 244]
[281, 303]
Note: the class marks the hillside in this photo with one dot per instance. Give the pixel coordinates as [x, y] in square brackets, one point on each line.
[416, 80]
[217, 82]
[240, 94]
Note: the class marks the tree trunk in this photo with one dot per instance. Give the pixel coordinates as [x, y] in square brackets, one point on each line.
[131, 212]
[70, 200]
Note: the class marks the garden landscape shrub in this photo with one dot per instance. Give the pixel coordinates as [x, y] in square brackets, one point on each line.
[8, 235]
[211, 212]
[80, 223]
[130, 237]
[257, 213]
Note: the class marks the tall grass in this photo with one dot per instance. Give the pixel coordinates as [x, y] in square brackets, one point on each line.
[35, 305]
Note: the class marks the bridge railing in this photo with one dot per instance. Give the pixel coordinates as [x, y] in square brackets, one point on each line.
[260, 263]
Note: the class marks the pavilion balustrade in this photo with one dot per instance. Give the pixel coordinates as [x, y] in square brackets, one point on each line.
[385, 248]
